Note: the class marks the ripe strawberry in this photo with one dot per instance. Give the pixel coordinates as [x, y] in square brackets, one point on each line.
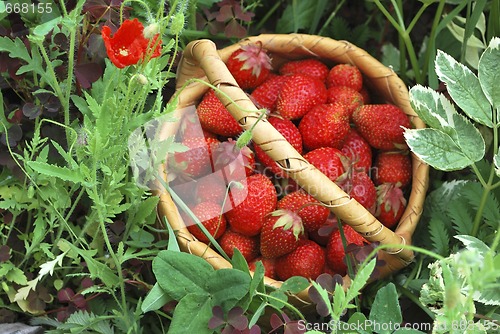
[351, 98]
[250, 65]
[280, 233]
[335, 251]
[248, 246]
[215, 118]
[361, 188]
[291, 134]
[325, 125]
[211, 188]
[257, 199]
[190, 127]
[236, 163]
[266, 94]
[269, 266]
[366, 95]
[309, 209]
[196, 161]
[391, 204]
[358, 151]
[311, 67]
[392, 167]
[345, 75]
[307, 260]
[328, 160]
[299, 94]
[381, 125]
[210, 216]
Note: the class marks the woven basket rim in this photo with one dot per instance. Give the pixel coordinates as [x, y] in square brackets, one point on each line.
[202, 60]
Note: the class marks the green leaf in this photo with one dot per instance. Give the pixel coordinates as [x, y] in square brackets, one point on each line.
[155, 299]
[15, 48]
[97, 269]
[472, 243]
[189, 272]
[437, 149]
[464, 88]
[257, 282]
[439, 236]
[192, 314]
[44, 28]
[238, 261]
[173, 245]
[228, 286]
[62, 173]
[297, 15]
[385, 311]
[360, 280]
[488, 73]
[357, 320]
[458, 211]
[496, 160]
[295, 284]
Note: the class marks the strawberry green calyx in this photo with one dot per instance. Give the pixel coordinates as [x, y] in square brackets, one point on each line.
[253, 57]
[289, 220]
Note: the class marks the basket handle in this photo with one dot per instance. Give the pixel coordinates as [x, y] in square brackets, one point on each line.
[200, 59]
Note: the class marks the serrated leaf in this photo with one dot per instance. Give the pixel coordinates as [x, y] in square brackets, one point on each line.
[385, 312]
[473, 191]
[360, 280]
[464, 88]
[437, 149]
[15, 48]
[488, 73]
[458, 211]
[62, 173]
[44, 28]
[155, 299]
[439, 236]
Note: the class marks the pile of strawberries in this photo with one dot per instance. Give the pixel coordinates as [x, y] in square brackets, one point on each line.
[325, 113]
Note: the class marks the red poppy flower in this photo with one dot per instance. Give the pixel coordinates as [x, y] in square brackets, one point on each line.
[128, 45]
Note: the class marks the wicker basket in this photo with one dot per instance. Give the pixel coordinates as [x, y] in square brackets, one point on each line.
[202, 60]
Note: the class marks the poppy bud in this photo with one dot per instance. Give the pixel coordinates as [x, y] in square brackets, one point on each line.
[151, 30]
[142, 79]
[177, 23]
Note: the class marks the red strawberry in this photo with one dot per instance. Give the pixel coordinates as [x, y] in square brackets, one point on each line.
[191, 127]
[335, 250]
[345, 75]
[309, 209]
[215, 118]
[358, 151]
[311, 67]
[210, 216]
[351, 98]
[250, 65]
[361, 188]
[280, 233]
[392, 167]
[391, 204]
[366, 95]
[328, 160]
[231, 159]
[211, 188]
[266, 94]
[299, 94]
[196, 161]
[269, 266]
[325, 125]
[248, 246]
[291, 134]
[258, 198]
[381, 125]
[307, 260]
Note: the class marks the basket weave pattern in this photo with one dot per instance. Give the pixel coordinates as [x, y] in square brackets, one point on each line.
[202, 60]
